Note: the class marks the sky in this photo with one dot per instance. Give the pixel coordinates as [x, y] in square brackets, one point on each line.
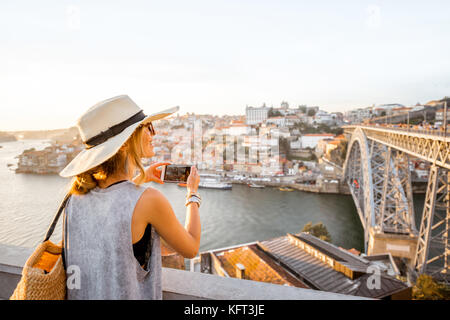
[58, 58]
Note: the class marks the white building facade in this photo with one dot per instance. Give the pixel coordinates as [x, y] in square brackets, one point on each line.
[256, 115]
[311, 140]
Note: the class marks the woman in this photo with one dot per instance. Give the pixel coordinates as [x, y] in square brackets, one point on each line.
[113, 223]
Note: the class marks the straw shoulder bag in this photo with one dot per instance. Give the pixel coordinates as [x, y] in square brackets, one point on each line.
[44, 274]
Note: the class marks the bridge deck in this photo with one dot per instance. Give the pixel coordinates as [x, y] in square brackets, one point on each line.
[429, 145]
[410, 131]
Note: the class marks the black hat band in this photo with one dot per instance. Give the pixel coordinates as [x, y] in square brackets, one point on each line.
[114, 130]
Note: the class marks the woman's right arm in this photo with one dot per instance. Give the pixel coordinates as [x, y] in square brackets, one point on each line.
[159, 213]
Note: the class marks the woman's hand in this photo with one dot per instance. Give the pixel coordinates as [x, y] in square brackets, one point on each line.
[153, 173]
[193, 180]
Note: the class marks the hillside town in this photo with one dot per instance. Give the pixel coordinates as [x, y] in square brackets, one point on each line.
[301, 147]
[50, 160]
[6, 137]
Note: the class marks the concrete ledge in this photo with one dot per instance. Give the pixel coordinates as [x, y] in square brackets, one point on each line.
[179, 284]
[12, 258]
[207, 286]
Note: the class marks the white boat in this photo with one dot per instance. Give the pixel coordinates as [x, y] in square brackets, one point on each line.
[254, 185]
[214, 184]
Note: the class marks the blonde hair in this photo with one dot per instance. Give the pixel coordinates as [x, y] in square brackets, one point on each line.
[86, 181]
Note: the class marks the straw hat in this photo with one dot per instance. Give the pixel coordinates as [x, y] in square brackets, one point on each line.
[104, 128]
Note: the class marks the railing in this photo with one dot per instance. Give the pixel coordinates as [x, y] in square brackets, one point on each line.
[433, 132]
[179, 284]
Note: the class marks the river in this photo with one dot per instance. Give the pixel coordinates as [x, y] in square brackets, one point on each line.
[28, 203]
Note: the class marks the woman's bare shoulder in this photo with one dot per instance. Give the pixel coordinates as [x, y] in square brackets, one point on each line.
[151, 196]
[152, 201]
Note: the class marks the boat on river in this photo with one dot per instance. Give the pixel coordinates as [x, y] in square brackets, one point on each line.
[285, 189]
[254, 185]
[214, 184]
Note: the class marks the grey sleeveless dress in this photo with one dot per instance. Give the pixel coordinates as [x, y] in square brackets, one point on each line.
[99, 247]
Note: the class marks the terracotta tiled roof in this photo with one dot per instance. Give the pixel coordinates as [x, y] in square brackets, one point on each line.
[258, 267]
[352, 250]
[174, 261]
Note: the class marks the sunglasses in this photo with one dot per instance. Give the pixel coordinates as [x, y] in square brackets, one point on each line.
[150, 128]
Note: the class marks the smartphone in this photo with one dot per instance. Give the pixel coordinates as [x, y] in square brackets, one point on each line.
[175, 173]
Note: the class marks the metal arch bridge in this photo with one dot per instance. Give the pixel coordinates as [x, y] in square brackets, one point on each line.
[377, 171]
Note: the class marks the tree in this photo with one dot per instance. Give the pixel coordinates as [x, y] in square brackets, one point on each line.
[318, 230]
[428, 289]
[285, 104]
[338, 154]
[302, 108]
[311, 113]
[285, 146]
[273, 113]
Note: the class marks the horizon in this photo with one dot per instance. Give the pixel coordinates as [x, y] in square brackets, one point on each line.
[214, 115]
[180, 115]
[61, 58]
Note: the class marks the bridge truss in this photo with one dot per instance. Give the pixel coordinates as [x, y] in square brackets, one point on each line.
[433, 245]
[380, 184]
[377, 171]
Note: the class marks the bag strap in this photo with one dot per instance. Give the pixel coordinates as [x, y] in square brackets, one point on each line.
[64, 240]
[56, 218]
